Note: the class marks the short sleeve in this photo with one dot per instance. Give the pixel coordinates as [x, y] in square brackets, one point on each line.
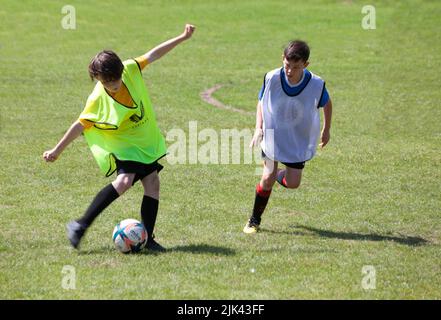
[86, 123]
[142, 62]
[262, 90]
[324, 98]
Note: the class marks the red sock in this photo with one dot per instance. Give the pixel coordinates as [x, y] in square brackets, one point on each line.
[261, 192]
[281, 178]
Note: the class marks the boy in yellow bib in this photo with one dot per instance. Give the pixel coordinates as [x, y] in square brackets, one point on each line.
[120, 128]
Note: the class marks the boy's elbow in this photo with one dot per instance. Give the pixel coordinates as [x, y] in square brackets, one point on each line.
[79, 127]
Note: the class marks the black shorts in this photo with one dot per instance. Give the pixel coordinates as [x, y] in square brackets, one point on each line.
[141, 170]
[294, 165]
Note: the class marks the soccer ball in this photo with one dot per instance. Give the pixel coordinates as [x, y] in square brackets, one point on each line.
[129, 236]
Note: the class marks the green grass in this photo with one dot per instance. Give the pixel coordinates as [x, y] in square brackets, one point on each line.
[372, 197]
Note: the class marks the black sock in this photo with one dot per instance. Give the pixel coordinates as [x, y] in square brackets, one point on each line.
[149, 211]
[260, 202]
[105, 197]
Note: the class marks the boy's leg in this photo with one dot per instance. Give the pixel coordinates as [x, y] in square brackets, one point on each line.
[263, 192]
[290, 177]
[101, 201]
[149, 208]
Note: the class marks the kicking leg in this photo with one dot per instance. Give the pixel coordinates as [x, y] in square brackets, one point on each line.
[76, 229]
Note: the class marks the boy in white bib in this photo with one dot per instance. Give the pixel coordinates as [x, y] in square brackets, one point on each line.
[288, 124]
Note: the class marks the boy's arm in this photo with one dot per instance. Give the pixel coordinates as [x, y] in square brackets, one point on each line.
[326, 135]
[74, 131]
[258, 132]
[160, 50]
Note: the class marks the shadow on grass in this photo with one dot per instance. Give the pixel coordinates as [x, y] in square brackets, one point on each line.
[405, 240]
[204, 248]
[192, 248]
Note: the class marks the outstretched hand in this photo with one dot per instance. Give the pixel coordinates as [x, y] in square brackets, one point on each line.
[50, 155]
[188, 31]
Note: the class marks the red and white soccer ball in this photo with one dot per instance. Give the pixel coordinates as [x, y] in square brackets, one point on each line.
[129, 236]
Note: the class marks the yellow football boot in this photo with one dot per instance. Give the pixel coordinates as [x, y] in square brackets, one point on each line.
[251, 227]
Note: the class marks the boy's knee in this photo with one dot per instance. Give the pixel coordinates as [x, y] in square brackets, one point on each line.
[154, 183]
[151, 182]
[293, 185]
[292, 178]
[122, 184]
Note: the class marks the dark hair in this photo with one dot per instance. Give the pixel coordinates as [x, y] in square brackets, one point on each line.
[297, 50]
[107, 65]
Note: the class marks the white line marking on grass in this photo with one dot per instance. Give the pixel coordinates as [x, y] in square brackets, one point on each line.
[207, 97]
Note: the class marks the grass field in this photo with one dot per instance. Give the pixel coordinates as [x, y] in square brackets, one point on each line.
[372, 197]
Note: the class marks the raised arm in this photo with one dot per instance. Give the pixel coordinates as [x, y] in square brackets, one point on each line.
[160, 50]
[74, 131]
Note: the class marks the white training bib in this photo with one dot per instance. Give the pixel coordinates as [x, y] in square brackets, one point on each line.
[291, 124]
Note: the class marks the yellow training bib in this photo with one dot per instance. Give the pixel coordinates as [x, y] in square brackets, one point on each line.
[123, 132]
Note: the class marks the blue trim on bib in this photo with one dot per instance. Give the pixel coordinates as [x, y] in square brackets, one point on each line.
[294, 91]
